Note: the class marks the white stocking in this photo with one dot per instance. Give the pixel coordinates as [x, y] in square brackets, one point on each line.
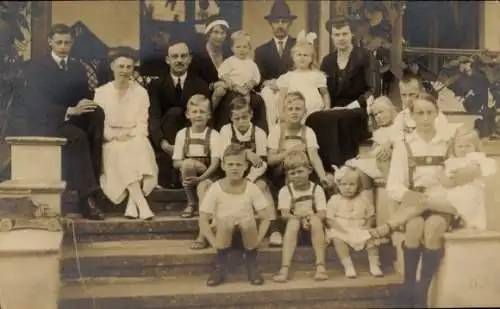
[136, 195]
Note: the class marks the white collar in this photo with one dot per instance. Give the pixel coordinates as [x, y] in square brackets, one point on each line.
[276, 40]
[182, 77]
[58, 59]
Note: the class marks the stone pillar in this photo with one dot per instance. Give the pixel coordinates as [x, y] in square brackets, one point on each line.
[30, 230]
[469, 275]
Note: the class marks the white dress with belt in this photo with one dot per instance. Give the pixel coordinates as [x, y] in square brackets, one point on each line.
[131, 160]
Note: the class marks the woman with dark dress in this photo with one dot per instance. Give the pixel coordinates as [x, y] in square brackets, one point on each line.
[207, 58]
[353, 81]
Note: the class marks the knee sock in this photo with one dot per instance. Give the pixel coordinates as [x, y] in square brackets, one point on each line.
[431, 259]
[411, 259]
[274, 227]
[191, 195]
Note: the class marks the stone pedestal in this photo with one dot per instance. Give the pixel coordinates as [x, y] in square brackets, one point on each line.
[36, 171]
[469, 275]
[36, 158]
[29, 268]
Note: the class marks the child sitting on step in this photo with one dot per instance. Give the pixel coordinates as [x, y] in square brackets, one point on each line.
[372, 164]
[303, 205]
[231, 202]
[242, 131]
[350, 215]
[196, 155]
[467, 198]
[293, 135]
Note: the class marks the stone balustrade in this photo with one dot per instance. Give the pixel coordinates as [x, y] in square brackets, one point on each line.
[30, 229]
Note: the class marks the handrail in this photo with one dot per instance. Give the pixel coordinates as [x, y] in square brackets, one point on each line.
[446, 51]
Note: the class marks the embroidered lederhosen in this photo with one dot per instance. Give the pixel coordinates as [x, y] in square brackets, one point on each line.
[415, 161]
[206, 158]
[304, 198]
[250, 145]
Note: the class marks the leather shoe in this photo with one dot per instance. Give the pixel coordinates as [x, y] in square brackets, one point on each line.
[94, 213]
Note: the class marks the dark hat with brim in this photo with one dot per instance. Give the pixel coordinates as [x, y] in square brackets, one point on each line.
[338, 20]
[280, 10]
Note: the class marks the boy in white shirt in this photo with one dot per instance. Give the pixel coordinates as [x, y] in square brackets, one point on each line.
[239, 71]
[232, 202]
[253, 139]
[197, 156]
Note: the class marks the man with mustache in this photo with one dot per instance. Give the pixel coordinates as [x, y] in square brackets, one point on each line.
[169, 95]
[274, 57]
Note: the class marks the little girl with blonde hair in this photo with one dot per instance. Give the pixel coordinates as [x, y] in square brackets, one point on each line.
[350, 215]
[305, 78]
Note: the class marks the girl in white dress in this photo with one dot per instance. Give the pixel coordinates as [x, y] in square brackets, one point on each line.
[129, 165]
[350, 215]
[306, 78]
[469, 198]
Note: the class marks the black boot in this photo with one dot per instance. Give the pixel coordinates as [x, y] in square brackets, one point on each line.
[411, 259]
[431, 259]
[253, 272]
[218, 276]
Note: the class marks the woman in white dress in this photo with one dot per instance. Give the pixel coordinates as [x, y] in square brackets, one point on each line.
[129, 165]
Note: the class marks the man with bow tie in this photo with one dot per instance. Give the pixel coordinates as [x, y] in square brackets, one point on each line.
[58, 104]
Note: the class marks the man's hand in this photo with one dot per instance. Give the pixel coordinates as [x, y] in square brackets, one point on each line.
[413, 198]
[83, 107]
[167, 147]
[254, 159]
[326, 183]
[271, 84]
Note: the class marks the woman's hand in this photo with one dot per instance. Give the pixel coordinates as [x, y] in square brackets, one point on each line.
[385, 151]
[271, 84]
[190, 181]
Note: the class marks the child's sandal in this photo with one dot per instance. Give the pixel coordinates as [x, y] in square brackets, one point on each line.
[321, 274]
[282, 276]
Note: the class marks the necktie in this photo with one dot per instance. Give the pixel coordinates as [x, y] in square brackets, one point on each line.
[280, 48]
[63, 65]
[178, 87]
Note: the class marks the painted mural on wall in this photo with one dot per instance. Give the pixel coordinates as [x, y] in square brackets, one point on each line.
[167, 10]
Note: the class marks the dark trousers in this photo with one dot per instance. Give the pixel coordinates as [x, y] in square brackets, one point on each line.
[172, 122]
[222, 114]
[82, 153]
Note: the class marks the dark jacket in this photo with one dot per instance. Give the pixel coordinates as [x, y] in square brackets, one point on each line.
[51, 90]
[270, 64]
[162, 96]
[360, 79]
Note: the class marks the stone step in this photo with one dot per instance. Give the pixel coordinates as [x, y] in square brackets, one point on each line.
[166, 225]
[191, 292]
[159, 200]
[149, 258]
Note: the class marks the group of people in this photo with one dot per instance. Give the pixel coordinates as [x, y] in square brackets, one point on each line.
[265, 146]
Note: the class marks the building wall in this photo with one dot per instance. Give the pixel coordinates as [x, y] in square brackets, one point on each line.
[490, 35]
[116, 22]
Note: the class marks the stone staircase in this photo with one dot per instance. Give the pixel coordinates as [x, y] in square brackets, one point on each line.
[119, 263]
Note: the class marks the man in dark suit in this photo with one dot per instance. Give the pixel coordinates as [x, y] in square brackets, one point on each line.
[274, 57]
[58, 104]
[169, 96]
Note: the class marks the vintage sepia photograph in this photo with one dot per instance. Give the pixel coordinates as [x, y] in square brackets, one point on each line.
[249, 154]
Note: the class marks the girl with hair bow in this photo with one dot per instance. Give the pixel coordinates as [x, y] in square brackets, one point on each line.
[305, 77]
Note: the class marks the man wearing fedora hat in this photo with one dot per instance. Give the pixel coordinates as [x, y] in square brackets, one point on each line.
[274, 57]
